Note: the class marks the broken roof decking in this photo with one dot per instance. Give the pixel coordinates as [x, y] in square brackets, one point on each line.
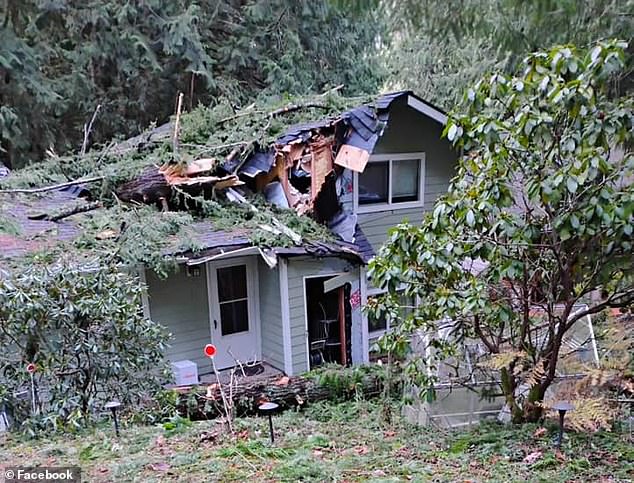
[309, 149]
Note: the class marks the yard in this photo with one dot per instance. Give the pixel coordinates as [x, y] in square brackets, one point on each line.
[328, 442]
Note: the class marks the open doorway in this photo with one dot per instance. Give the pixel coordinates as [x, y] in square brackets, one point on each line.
[329, 322]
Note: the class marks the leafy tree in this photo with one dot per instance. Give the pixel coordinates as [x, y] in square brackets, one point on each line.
[60, 59]
[542, 205]
[84, 331]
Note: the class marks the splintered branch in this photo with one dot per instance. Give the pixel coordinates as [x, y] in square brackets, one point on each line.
[179, 109]
[88, 129]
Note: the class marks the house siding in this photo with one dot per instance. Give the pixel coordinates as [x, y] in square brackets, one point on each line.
[271, 316]
[180, 303]
[408, 131]
[298, 268]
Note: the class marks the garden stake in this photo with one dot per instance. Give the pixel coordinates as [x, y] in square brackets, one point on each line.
[113, 406]
[268, 408]
[562, 407]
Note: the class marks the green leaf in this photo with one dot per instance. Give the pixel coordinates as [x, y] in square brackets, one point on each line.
[571, 184]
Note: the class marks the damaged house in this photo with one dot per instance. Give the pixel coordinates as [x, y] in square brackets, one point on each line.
[297, 304]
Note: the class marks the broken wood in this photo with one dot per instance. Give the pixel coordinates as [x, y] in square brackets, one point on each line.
[205, 402]
[53, 187]
[179, 108]
[87, 130]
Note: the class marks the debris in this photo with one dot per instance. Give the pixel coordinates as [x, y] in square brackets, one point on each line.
[283, 381]
[352, 158]
[274, 193]
[344, 225]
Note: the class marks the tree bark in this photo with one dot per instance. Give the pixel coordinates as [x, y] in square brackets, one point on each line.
[148, 188]
[205, 402]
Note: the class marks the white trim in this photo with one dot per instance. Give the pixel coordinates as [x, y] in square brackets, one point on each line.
[145, 296]
[306, 332]
[286, 318]
[426, 109]
[338, 281]
[390, 206]
[224, 255]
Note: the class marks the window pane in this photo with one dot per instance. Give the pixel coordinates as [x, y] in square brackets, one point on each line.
[234, 317]
[380, 323]
[373, 183]
[376, 323]
[405, 180]
[232, 283]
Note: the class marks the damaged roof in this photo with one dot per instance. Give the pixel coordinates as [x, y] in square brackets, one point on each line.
[297, 171]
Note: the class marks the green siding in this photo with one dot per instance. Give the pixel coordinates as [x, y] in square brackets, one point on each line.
[271, 315]
[180, 303]
[298, 268]
[409, 131]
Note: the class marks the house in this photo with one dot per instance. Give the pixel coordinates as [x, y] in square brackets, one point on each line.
[299, 304]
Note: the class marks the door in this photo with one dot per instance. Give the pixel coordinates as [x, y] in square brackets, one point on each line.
[232, 311]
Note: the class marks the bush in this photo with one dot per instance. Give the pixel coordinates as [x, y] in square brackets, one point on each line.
[85, 332]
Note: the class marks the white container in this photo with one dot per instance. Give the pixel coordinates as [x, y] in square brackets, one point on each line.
[185, 373]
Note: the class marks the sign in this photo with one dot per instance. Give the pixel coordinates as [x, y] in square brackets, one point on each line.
[210, 350]
[31, 368]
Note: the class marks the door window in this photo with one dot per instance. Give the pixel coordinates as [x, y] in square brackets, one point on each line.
[233, 300]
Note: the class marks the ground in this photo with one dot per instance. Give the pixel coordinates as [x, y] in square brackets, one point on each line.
[326, 442]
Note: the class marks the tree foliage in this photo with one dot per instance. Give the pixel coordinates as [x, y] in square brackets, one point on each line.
[539, 217]
[444, 47]
[85, 333]
[60, 59]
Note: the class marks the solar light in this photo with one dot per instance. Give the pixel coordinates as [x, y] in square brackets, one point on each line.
[562, 407]
[113, 406]
[269, 408]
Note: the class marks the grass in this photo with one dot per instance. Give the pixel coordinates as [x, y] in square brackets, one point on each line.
[326, 442]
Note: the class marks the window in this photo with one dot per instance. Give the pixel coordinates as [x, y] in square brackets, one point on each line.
[232, 297]
[378, 325]
[391, 181]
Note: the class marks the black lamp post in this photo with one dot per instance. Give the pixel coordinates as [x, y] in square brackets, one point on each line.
[562, 407]
[113, 406]
[269, 408]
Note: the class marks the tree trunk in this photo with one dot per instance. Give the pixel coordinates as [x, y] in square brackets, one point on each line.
[205, 402]
[149, 188]
[532, 411]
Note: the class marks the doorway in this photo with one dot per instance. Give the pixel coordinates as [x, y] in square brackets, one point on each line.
[328, 321]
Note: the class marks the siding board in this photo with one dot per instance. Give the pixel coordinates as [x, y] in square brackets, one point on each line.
[180, 303]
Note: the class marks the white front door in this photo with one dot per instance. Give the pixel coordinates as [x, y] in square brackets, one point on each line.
[233, 311]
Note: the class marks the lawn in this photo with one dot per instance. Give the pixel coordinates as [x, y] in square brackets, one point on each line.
[327, 442]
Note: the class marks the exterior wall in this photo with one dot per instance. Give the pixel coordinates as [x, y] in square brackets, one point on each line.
[271, 315]
[408, 132]
[298, 268]
[180, 303]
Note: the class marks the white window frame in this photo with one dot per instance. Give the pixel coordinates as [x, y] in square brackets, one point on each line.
[389, 206]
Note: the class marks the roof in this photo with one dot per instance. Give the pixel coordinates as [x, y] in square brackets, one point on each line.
[310, 150]
[31, 231]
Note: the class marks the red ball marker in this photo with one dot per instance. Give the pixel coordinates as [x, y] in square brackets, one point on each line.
[210, 350]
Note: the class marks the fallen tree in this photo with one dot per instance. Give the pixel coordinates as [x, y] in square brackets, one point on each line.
[329, 383]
